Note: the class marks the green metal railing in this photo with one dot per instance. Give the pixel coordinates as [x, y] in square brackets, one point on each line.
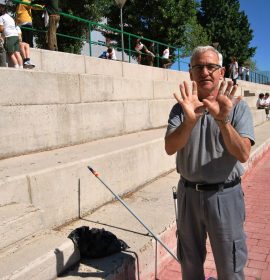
[94, 26]
[179, 62]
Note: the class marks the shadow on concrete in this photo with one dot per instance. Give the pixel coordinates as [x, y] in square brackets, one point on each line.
[118, 266]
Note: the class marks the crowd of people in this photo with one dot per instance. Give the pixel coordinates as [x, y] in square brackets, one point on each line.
[16, 36]
[263, 102]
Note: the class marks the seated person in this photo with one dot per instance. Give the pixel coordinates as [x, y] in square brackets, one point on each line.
[25, 51]
[260, 101]
[109, 54]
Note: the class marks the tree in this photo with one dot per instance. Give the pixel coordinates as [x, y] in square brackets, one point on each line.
[171, 22]
[225, 23]
[92, 10]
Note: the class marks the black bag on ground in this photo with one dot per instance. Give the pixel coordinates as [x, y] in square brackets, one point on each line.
[95, 242]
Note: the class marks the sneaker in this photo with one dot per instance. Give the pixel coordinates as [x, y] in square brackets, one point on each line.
[28, 65]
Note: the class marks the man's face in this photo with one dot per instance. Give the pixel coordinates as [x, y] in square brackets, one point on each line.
[207, 73]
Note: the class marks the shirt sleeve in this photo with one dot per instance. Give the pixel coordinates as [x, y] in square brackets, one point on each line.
[242, 121]
[175, 118]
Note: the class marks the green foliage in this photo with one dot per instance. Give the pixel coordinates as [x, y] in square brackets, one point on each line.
[226, 24]
[92, 10]
[171, 22]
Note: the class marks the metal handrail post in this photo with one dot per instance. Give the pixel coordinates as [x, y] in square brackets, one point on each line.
[133, 214]
[129, 48]
[90, 38]
[178, 58]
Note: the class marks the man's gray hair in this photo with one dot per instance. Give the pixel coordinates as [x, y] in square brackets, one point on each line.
[202, 49]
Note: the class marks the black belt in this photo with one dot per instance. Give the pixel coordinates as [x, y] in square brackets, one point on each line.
[211, 187]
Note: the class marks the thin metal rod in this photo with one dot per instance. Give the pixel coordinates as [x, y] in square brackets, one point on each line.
[134, 214]
[122, 32]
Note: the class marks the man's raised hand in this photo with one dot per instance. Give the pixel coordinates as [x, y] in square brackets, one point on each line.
[192, 107]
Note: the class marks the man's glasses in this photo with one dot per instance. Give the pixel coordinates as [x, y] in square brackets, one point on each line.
[210, 67]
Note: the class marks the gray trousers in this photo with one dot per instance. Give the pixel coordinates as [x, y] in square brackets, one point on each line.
[221, 215]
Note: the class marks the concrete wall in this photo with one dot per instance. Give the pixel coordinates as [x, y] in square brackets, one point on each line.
[72, 99]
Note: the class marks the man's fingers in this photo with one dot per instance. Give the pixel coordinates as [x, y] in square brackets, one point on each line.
[183, 91]
[222, 86]
[194, 88]
[232, 93]
[186, 88]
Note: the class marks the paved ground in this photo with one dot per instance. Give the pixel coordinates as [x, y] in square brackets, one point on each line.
[257, 196]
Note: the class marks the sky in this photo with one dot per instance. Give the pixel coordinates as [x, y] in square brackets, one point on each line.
[258, 17]
[258, 13]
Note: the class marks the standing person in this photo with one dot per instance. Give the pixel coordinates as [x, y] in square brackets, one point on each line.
[166, 61]
[242, 70]
[247, 73]
[7, 26]
[266, 103]
[234, 70]
[52, 8]
[24, 19]
[211, 132]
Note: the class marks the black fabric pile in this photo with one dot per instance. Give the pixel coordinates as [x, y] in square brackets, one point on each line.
[96, 243]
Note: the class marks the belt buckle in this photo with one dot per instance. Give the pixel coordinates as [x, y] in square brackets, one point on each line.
[197, 187]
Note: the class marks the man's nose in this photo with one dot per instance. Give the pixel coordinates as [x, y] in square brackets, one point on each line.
[204, 71]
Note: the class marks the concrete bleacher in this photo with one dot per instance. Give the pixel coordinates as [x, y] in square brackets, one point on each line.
[70, 112]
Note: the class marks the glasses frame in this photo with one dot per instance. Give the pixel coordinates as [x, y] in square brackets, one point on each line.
[199, 67]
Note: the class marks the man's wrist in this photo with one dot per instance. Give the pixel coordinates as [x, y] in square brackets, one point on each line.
[226, 120]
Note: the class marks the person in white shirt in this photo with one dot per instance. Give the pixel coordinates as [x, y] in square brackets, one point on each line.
[166, 61]
[111, 53]
[260, 101]
[7, 26]
[234, 70]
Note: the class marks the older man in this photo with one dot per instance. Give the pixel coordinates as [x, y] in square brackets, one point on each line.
[212, 132]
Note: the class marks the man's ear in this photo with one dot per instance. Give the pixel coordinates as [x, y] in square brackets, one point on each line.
[190, 75]
[222, 72]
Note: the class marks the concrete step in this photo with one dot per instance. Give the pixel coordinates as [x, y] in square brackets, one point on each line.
[18, 221]
[43, 256]
[259, 116]
[47, 254]
[62, 174]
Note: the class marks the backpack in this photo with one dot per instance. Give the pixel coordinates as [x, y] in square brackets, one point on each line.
[96, 243]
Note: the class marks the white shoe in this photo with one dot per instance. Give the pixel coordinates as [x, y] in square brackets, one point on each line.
[28, 65]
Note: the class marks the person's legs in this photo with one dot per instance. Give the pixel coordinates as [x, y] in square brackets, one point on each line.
[267, 113]
[19, 58]
[225, 212]
[13, 59]
[3, 62]
[191, 233]
[27, 35]
[23, 50]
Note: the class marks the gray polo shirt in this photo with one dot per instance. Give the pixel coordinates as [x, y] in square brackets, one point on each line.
[205, 159]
